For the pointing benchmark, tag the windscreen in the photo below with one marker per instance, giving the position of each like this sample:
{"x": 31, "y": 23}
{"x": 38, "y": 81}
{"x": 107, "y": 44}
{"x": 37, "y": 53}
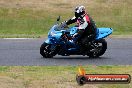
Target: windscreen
{"x": 59, "y": 28}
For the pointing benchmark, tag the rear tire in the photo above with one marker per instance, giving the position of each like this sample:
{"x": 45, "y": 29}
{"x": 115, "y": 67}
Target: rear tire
{"x": 100, "y": 50}
{"x": 46, "y": 52}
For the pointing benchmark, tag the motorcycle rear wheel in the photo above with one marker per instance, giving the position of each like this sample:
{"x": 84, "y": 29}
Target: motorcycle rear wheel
{"x": 99, "y": 50}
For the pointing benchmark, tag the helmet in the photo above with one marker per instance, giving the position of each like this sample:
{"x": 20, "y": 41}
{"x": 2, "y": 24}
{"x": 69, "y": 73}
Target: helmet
{"x": 79, "y": 11}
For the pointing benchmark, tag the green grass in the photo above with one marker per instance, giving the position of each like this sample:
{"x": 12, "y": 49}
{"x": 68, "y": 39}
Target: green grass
{"x": 34, "y": 20}
{"x": 23, "y": 23}
{"x": 56, "y": 76}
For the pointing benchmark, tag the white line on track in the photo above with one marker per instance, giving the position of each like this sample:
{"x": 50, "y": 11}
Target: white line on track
{"x": 18, "y": 38}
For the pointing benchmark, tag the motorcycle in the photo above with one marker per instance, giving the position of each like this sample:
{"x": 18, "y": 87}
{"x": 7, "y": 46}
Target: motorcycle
{"x": 58, "y": 42}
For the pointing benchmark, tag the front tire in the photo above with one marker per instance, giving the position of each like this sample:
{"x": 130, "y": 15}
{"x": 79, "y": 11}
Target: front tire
{"x": 99, "y": 49}
{"x": 46, "y": 52}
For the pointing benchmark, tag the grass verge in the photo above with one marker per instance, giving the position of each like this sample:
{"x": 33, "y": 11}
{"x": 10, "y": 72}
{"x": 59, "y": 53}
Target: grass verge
{"x": 34, "y": 18}
{"x": 56, "y": 76}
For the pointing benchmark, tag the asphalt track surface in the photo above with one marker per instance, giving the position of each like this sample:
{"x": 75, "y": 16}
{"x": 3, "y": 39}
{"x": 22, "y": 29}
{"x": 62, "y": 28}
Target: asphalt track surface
{"x": 25, "y": 52}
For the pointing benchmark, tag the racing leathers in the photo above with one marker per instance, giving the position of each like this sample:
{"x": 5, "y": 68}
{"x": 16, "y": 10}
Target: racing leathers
{"x": 86, "y": 28}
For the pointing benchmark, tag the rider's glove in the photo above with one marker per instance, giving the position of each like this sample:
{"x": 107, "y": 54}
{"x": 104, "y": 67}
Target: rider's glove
{"x": 63, "y": 24}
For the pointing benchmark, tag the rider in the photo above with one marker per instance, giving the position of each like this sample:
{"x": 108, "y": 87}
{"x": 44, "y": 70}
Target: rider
{"x": 85, "y": 25}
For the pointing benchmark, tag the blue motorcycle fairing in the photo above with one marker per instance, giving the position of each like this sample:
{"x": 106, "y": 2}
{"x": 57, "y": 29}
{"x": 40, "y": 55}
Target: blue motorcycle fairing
{"x": 53, "y": 40}
{"x": 73, "y": 30}
{"x": 100, "y": 32}
{"x": 54, "y": 36}
{"x": 48, "y": 41}
{"x": 103, "y": 32}
{"x": 55, "y": 33}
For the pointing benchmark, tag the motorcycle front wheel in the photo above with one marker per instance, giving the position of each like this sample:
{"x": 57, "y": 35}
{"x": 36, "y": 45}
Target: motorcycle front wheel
{"x": 46, "y": 51}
